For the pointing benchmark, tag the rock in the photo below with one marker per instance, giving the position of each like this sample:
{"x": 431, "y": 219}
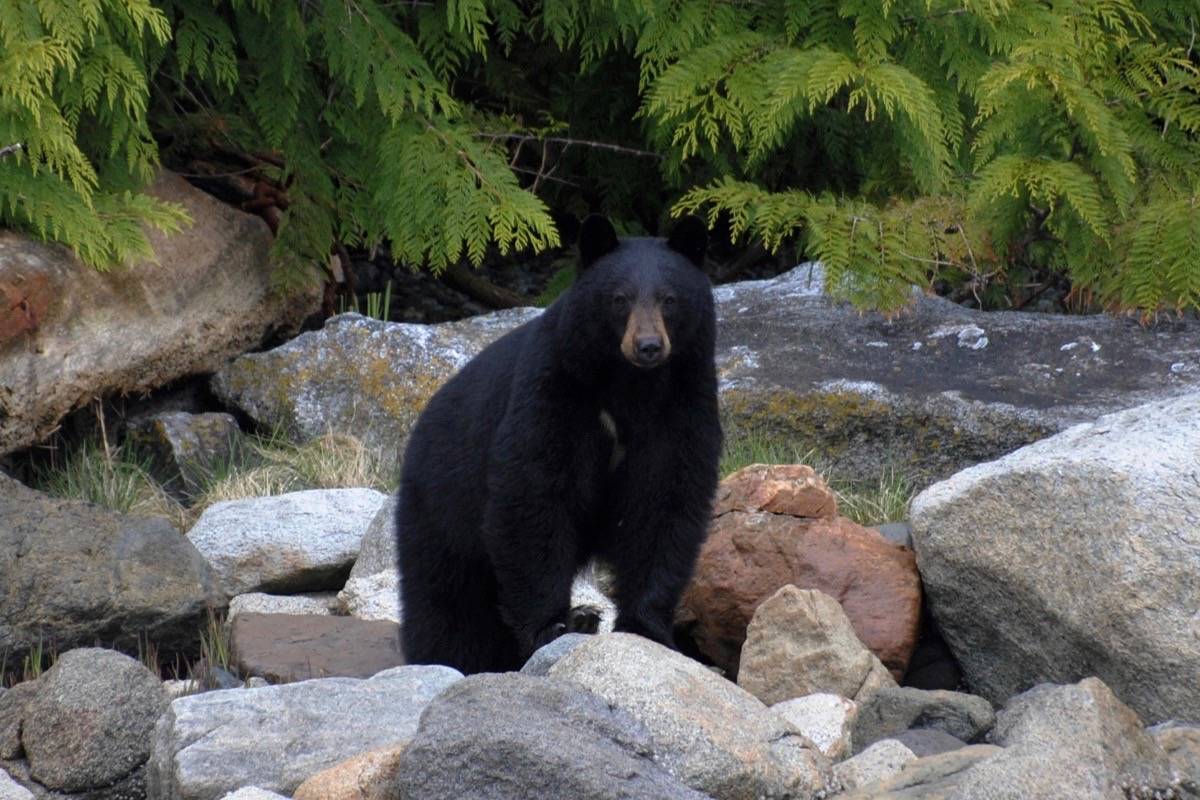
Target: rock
{"x": 367, "y": 776}
{"x": 937, "y": 777}
{"x": 295, "y": 542}
{"x": 1075, "y": 556}
{"x": 877, "y": 763}
{"x": 294, "y": 647}
{"x": 12, "y": 709}
{"x": 357, "y": 375}
{"x": 72, "y": 573}
{"x": 933, "y": 390}
{"x": 515, "y": 736}
{"x": 713, "y": 736}
{"x": 801, "y": 643}
{"x": 760, "y": 542}
{"x": 187, "y": 450}
{"x": 1182, "y": 745}
{"x": 314, "y": 603}
{"x": 825, "y": 719}
{"x": 937, "y": 388}
{"x": 276, "y": 737}
{"x": 543, "y": 658}
{"x": 69, "y": 332}
{"x": 895, "y": 709}
{"x": 928, "y": 741}
{"x": 932, "y": 665}
{"x": 11, "y": 790}
{"x": 180, "y": 688}
{"x": 253, "y": 793}
{"x": 373, "y": 589}
{"x": 89, "y": 723}
{"x": 899, "y": 533}
{"x": 1074, "y": 741}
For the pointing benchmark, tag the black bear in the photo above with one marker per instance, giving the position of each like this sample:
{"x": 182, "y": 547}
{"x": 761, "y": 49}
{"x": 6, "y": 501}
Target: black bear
{"x": 591, "y": 432}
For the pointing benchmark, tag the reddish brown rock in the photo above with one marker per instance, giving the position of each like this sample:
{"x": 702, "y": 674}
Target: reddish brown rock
{"x": 295, "y": 647}
{"x": 368, "y": 776}
{"x": 758, "y": 543}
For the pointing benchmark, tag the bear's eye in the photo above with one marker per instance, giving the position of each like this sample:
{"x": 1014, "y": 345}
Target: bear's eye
{"x": 669, "y": 300}
{"x": 620, "y": 301}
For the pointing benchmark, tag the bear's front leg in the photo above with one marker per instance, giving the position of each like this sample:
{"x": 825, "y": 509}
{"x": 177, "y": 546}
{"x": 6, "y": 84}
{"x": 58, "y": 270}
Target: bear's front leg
{"x": 533, "y": 547}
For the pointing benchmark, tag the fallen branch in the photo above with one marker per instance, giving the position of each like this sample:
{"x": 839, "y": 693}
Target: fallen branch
{"x": 477, "y": 287}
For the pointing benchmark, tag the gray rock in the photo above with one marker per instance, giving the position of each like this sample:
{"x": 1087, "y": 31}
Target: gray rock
{"x": 715, "y": 737}
{"x": 800, "y": 643}
{"x": 207, "y": 745}
{"x": 12, "y": 711}
{"x": 1182, "y": 744}
{"x": 878, "y": 762}
{"x": 295, "y": 542}
{"x": 515, "y": 736}
{"x": 949, "y": 386}
{"x": 313, "y": 603}
{"x": 207, "y": 296}
{"x": 938, "y": 777}
{"x": 357, "y": 375}
{"x": 373, "y": 589}
{"x": 11, "y": 790}
{"x": 1075, "y": 556}
{"x": 825, "y": 719}
{"x": 547, "y": 655}
{"x": 897, "y": 533}
{"x": 895, "y": 709}
{"x": 90, "y": 722}
{"x": 187, "y": 450}
{"x": 73, "y": 573}
{"x": 928, "y": 741}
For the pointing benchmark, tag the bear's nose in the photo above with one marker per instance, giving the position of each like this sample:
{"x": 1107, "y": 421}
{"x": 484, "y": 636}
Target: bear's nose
{"x": 648, "y": 348}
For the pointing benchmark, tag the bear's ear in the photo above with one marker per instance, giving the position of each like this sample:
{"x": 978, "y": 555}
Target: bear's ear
{"x": 689, "y": 239}
{"x": 597, "y": 238}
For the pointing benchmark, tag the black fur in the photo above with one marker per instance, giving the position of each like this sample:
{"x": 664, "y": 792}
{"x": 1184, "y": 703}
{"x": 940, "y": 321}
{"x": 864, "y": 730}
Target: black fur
{"x": 508, "y": 485}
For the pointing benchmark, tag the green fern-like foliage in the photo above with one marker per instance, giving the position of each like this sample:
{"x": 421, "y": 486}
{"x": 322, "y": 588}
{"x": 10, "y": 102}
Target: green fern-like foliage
{"x": 73, "y": 125}
{"x": 1062, "y": 131}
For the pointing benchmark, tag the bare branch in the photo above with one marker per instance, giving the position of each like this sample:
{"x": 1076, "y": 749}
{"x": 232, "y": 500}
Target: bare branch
{"x": 568, "y": 142}
{"x": 9, "y": 149}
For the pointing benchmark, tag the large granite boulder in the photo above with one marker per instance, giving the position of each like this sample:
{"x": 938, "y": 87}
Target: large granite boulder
{"x": 69, "y": 332}
{"x": 296, "y": 542}
{"x": 90, "y": 722}
{"x": 72, "y": 573}
{"x": 1075, "y": 556}
{"x": 357, "y": 375}
{"x": 712, "y": 735}
{"x": 778, "y": 525}
{"x": 932, "y": 390}
{"x": 275, "y": 737}
{"x": 514, "y": 736}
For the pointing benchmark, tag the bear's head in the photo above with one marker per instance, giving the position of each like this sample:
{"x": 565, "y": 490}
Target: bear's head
{"x": 646, "y": 300}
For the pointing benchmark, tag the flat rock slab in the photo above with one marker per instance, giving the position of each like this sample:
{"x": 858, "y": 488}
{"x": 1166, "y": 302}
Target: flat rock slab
{"x": 934, "y": 390}
{"x": 296, "y": 647}
{"x": 207, "y": 745}
{"x": 72, "y": 573}
{"x": 518, "y": 737}
{"x": 69, "y": 332}
{"x": 295, "y": 542}
{"x": 1073, "y": 557}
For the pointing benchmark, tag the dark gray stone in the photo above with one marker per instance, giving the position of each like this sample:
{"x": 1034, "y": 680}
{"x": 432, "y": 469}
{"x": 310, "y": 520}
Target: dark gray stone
{"x": 895, "y": 709}
{"x": 928, "y": 741}
{"x": 90, "y": 722}
{"x": 186, "y": 450}
{"x": 513, "y": 736}
{"x": 896, "y": 532}
{"x": 12, "y": 709}
{"x": 72, "y": 574}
